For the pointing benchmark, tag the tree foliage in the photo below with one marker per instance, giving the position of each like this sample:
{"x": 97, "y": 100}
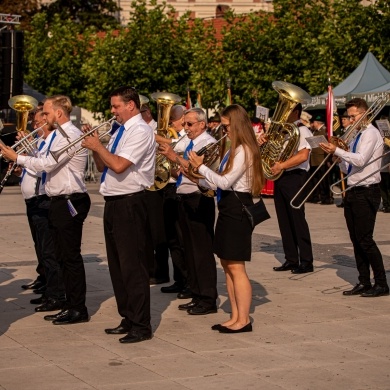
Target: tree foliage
{"x": 303, "y": 43}
{"x": 25, "y": 8}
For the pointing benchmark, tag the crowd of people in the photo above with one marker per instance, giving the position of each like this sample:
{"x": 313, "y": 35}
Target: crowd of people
{"x": 142, "y": 227}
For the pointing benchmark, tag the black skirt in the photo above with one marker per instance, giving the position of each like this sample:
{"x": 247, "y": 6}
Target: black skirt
{"x": 233, "y": 232}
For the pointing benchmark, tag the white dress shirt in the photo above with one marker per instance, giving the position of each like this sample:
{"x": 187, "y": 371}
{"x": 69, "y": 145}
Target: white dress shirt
{"x": 138, "y": 146}
{"x": 368, "y": 148}
{"x": 66, "y": 176}
{"x": 239, "y": 178}
{"x": 304, "y": 133}
{"x": 187, "y": 186}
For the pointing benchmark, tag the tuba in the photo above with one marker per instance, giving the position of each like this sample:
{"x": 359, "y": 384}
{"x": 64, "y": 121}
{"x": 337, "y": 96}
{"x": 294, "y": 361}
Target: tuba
{"x": 165, "y": 102}
{"x": 22, "y": 104}
{"x": 282, "y": 137}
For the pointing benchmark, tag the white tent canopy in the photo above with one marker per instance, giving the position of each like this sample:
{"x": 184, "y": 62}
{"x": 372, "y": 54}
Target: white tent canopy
{"x": 369, "y": 80}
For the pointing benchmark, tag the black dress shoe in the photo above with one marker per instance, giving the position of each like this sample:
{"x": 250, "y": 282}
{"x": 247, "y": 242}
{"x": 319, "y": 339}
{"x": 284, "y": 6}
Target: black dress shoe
{"x": 52, "y": 317}
{"x": 33, "y": 285}
{"x": 302, "y": 270}
{"x": 246, "y": 328}
{"x": 340, "y": 205}
{"x": 201, "y": 310}
{"x": 188, "y": 305}
{"x": 158, "y": 281}
{"x": 286, "y": 267}
{"x": 376, "y": 291}
{"x": 173, "y": 288}
{"x": 185, "y": 294}
{"x": 134, "y": 337}
{"x": 71, "y": 316}
{"x": 358, "y": 289}
{"x": 40, "y": 290}
{"x": 51, "y": 305}
{"x": 121, "y": 329}
{"x": 216, "y": 327}
{"x": 38, "y": 301}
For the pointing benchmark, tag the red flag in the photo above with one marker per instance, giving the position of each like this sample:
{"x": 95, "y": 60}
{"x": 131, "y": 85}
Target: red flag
{"x": 188, "y": 102}
{"x": 329, "y": 111}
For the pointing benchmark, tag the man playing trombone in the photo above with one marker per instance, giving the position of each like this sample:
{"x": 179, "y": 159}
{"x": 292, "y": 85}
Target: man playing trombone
{"x": 362, "y": 199}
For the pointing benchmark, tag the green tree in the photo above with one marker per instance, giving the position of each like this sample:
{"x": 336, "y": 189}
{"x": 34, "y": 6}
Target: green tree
{"x": 25, "y": 8}
{"x": 97, "y": 13}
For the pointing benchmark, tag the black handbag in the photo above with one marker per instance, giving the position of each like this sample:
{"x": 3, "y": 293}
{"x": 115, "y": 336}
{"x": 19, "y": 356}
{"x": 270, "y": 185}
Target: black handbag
{"x": 256, "y": 213}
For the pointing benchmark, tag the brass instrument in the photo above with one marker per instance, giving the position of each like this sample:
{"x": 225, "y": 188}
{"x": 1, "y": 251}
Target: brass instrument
{"x": 22, "y": 104}
{"x": 282, "y": 137}
{"x": 165, "y": 102}
{"x": 143, "y": 100}
{"x": 342, "y": 142}
{"x": 70, "y": 149}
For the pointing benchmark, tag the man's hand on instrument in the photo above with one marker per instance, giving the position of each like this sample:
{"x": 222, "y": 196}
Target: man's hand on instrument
{"x": 328, "y": 147}
{"x": 8, "y": 153}
{"x": 262, "y": 139}
{"x": 277, "y": 168}
{"x": 17, "y": 170}
{"x": 195, "y": 160}
{"x": 167, "y": 151}
{"x": 92, "y": 142}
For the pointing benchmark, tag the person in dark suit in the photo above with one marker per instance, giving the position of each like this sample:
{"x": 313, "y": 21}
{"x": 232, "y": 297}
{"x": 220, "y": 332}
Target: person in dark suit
{"x": 127, "y": 166}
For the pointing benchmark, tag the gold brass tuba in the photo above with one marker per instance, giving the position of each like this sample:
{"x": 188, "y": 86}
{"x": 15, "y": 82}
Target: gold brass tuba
{"x": 22, "y": 104}
{"x": 282, "y": 137}
{"x": 165, "y": 102}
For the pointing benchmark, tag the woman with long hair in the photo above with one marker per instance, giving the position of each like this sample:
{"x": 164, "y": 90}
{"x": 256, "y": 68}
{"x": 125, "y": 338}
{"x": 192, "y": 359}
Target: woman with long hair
{"x": 240, "y": 177}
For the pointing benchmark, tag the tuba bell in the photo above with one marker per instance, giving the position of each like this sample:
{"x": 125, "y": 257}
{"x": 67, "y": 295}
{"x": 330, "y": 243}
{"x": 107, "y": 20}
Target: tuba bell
{"x": 282, "y": 137}
{"x": 22, "y": 104}
{"x": 165, "y": 102}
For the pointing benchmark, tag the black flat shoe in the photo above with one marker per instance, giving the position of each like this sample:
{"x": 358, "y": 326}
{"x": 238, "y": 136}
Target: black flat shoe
{"x": 302, "y": 270}
{"x": 376, "y": 291}
{"x": 71, "y": 316}
{"x": 358, "y": 289}
{"x": 52, "y": 317}
{"x": 246, "y": 328}
{"x": 134, "y": 337}
{"x": 50, "y": 305}
{"x": 189, "y": 305}
{"x": 33, "y": 285}
{"x": 185, "y": 294}
{"x": 121, "y": 329}
{"x": 216, "y": 327}
{"x": 286, "y": 267}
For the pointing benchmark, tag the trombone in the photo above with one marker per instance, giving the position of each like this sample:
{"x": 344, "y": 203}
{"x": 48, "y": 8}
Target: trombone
{"x": 68, "y": 148}
{"x": 343, "y": 142}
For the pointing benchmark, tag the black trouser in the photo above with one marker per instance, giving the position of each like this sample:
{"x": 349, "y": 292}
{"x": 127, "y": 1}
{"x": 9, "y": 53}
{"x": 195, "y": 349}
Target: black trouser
{"x": 67, "y": 234}
{"x": 196, "y": 218}
{"x": 157, "y": 252}
{"x": 38, "y": 217}
{"x": 322, "y": 192}
{"x": 174, "y": 235}
{"x": 292, "y": 222}
{"x": 360, "y": 209}
{"x": 125, "y": 231}
{"x": 385, "y": 189}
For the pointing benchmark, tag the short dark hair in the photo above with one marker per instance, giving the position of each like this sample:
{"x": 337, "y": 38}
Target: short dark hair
{"x": 358, "y": 103}
{"x": 127, "y": 94}
{"x": 298, "y": 108}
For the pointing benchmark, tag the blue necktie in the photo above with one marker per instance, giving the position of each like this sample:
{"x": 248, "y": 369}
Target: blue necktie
{"x": 223, "y": 162}
{"x": 114, "y": 146}
{"x": 354, "y": 151}
{"x": 189, "y": 147}
{"x": 24, "y": 169}
{"x": 47, "y": 153}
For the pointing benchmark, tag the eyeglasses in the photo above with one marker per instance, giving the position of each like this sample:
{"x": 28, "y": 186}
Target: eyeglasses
{"x": 189, "y": 124}
{"x": 354, "y": 116}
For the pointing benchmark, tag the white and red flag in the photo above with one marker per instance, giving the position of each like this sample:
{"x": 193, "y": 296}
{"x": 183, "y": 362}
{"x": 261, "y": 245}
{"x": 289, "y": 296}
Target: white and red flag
{"x": 329, "y": 111}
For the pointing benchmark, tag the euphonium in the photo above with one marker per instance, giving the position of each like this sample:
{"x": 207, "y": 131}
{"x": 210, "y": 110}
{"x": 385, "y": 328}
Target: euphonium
{"x": 282, "y": 137}
{"x": 165, "y": 102}
{"x": 22, "y": 104}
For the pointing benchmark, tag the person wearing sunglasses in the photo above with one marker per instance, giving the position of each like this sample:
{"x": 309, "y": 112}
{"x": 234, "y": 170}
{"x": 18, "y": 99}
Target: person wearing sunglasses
{"x": 196, "y": 218}
{"x": 240, "y": 177}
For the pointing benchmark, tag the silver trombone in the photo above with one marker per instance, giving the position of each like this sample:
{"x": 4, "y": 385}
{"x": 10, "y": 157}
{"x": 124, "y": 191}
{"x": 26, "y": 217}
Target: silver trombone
{"x": 359, "y": 170}
{"x": 27, "y": 144}
{"x": 70, "y": 149}
{"x": 348, "y": 137}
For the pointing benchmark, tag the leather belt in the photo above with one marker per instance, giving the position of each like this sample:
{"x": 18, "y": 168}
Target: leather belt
{"x": 187, "y": 196}
{"x": 74, "y": 196}
{"x": 119, "y": 197}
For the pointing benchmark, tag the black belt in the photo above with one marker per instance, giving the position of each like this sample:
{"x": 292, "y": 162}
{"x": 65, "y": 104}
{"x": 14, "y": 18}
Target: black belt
{"x": 294, "y": 172}
{"x": 118, "y": 197}
{"x": 187, "y": 196}
{"x": 74, "y": 196}
{"x": 37, "y": 199}
{"x": 364, "y": 187}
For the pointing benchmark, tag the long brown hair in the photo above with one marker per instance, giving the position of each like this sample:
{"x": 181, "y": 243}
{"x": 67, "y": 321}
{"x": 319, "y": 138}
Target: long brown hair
{"x": 242, "y": 133}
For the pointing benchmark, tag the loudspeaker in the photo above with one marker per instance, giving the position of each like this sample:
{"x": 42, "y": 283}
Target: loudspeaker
{"x": 11, "y": 65}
